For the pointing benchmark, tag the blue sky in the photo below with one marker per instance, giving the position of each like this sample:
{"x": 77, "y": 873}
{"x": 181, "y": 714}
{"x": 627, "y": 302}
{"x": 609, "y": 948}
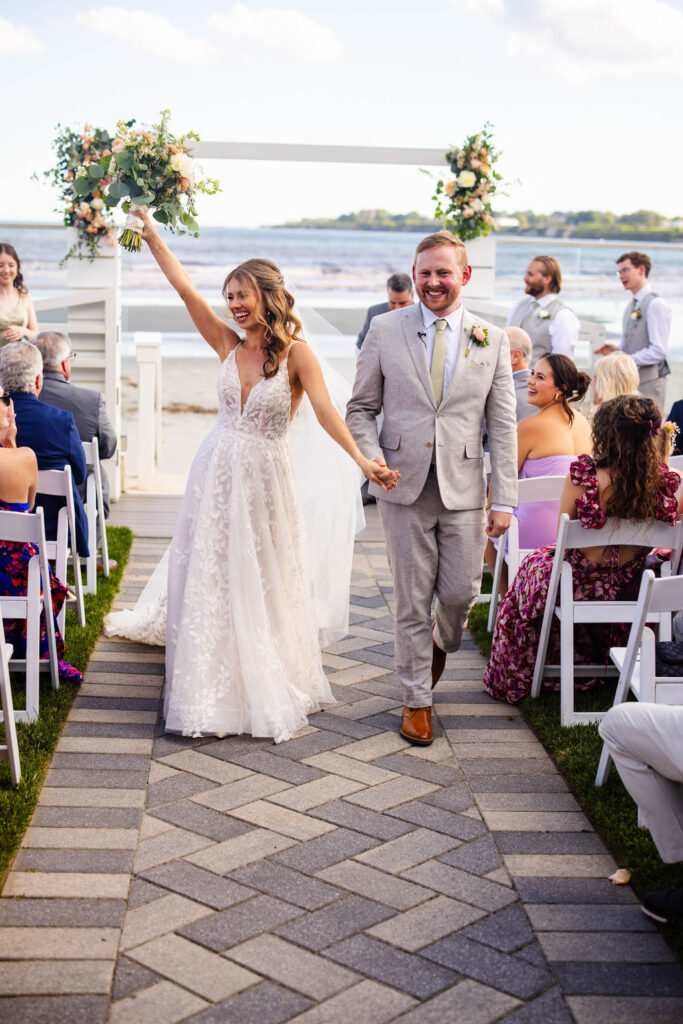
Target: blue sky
{"x": 584, "y": 94}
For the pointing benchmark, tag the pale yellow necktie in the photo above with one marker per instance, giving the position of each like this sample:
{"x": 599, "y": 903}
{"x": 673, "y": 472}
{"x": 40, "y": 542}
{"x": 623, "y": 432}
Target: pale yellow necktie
{"x": 437, "y": 369}
{"x": 532, "y": 309}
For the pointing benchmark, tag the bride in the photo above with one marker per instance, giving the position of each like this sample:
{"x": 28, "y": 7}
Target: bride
{"x": 242, "y": 651}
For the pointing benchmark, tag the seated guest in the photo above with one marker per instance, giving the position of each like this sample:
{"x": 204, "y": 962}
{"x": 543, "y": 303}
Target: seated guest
{"x": 50, "y": 432}
{"x": 17, "y": 315}
{"x": 547, "y": 444}
{"x": 399, "y": 293}
{"x": 644, "y": 741}
{"x": 18, "y": 482}
{"x": 520, "y": 355}
{"x": 626, "y": 477}
{"x": 86, "y": 405}
{"x": 676, "y": 417}
{"x": 616, "y": 374}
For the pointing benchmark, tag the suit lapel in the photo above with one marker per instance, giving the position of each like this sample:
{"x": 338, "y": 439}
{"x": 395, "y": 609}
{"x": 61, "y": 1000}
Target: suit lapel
{"x": 412, "y": 324}
{"x": 459, "y": 372}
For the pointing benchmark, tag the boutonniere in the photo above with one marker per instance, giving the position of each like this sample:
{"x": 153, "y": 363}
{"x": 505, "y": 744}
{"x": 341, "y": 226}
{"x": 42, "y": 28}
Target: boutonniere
{"x": 636, "y": 314}
{"x": 543, "y": 314}
{"x": 478, "y": 336}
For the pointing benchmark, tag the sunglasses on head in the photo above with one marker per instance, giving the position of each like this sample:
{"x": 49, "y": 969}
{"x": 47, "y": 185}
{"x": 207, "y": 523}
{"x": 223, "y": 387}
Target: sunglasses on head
{"x": 7, "y": 399}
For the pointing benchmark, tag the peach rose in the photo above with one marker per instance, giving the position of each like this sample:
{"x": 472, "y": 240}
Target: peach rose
{"x": 468, "y": 212}
{"x": 116, "y": 145}
{"x": 478, "y": 334}
{"x": 450, "y": 188}
{"x": 173, "y": 149}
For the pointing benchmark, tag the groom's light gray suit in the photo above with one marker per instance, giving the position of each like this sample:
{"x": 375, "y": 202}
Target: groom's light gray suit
{"x": 434, "y": 519}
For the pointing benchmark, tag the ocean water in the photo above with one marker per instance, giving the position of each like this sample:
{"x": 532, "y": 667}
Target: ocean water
{"x": 349, "y": 268}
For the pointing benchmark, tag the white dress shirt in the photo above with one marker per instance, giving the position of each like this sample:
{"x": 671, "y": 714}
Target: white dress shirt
{"x": 658, "y": 320}
{"x": 453, "y": 332}
{"x": 563, "y": 329}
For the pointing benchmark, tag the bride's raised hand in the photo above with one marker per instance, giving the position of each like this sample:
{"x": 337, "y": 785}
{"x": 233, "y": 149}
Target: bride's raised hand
{"x": 379, "y": 473}
{"x": 142, "y": 213}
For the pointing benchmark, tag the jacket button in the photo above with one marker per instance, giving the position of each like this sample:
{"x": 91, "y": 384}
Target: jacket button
{"x": 429, "y": 444}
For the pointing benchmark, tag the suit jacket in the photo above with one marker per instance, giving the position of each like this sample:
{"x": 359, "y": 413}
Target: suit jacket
{"x": 392, "y": 376}
{"x": 381, "y": 307}
{"x": 520, "y": 379}
{"x": 52, "y": 435}
{"x": 676, "y": 416}
{"x": 90, "y": 415}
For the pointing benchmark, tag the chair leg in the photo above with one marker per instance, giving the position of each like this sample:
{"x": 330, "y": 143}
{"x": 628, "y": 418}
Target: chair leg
{"x": 495, "y": 587}
{"x": 12, "y": 744}
{"x": 566, "y": 649}
{"x": 33, "y": 641}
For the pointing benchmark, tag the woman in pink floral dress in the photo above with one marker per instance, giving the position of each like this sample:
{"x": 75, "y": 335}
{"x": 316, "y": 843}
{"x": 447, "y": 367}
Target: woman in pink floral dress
{"x": 628, "y": 478}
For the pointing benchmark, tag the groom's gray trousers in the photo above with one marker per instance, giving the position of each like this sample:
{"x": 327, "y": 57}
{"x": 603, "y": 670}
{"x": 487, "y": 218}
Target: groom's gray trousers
{"x": 432, "y": 551}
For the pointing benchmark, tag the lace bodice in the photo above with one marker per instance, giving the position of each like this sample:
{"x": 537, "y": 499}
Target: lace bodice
{"x": 592, "y": 517}
{"x": 267, "y": 410}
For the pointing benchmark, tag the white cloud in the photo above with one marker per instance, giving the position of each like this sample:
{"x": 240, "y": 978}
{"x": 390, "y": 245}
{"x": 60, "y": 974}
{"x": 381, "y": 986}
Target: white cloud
{"x": 288, "y": 31}
{"x": 149, "y": 32}
{"x": 17, "y": 41}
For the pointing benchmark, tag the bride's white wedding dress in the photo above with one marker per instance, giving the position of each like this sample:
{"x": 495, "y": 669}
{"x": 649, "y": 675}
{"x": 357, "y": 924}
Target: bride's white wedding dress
{"x": 245, "y": 601}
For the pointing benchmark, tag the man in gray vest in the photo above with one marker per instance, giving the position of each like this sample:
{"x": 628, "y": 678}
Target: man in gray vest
{"x": 645, "y": 327}
{"x": 551, "y": 325}
{"x": 399, "y": 294}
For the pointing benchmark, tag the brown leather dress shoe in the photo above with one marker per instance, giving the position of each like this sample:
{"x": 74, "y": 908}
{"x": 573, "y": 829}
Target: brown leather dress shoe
{"x": 438, "y": 661}
{"x": 416, "y": 726}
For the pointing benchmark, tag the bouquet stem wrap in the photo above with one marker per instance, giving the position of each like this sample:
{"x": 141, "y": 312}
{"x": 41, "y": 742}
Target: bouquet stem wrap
{"x": 131, "y": 237}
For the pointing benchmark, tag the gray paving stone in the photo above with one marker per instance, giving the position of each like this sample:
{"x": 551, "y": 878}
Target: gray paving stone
{"x": 344, "y": 725}
{"x": 89, "y": 861}
{"x": 509, "y": 974}
{"x": 307, "y": 746}
{"x": 404, "y": 971}
{"x": 418, "y": 768}
{"x": 132, "y": 667}
{"x": 123, "y": 647}
{"x": 619, "y": 979}
{"x": 506, "y": 930}
{"x": 386, "y": 722}
{"x": 176, "y": 788}
{"x": 573, "y": 890}
{"x": 286, "y": 884}
{"x": 71, "y": 779}
{"x": 588, "y": 917}
{"x": 605, "y": 947}
{"x": 102, "y": 762}
{"x": 439, "y": 820}
{"x": 549, "y": 842}
{"x": 478, "y": 857}
{"x": 196, "y": 818}
{"x": 265, "y": 1003}
{"x": 118, "y": 703}
{"x": 456, "y": 723}
{"x": 265, "y": 763}
{"x": 87, "y": 817}
{"x": 452, "y": 798}
{"x": 325, "y": 850}
{"x": 362, "y": 820}
{"x": 548, "y": 1008}
{"x": 54, "y": 1009}
{"x": 372, "y": 657}
{"x": 506, "y": 765}
{"x": 517, "y": 784}
{"x": 130, "y": 977}
{"x": 126, "y": 730}
{"x": 142, "y": 892}
{"x": 461, "y": 885}
{"x": 331, "y": 924}
{"x": 198, "y": 884}
{"x": 625, "y": 1009}
{"x": 58, "y": 913}
{"x": 532, "y": 954}
{"x": 233, "y": 746}
{"x": 237, "y": 924}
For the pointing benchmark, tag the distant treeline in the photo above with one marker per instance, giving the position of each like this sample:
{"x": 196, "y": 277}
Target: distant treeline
{"x": 643, "y": 224}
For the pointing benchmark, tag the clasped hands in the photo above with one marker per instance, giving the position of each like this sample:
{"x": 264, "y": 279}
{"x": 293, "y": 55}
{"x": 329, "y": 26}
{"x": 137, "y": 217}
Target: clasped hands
{"x": 379, "y": 473}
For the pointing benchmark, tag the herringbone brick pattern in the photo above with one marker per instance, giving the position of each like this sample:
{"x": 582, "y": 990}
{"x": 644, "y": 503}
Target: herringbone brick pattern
{"x": 342, "y": 876}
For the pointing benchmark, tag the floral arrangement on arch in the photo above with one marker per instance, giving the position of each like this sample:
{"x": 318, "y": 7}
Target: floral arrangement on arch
{"x": 464, "y": 202}
{"x": 152, "y": 168}
{"x": 80, "y": 180}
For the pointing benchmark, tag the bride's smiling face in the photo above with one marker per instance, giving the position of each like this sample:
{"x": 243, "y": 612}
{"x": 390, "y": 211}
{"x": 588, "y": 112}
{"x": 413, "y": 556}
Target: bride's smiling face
{"x": 244, "y": 305}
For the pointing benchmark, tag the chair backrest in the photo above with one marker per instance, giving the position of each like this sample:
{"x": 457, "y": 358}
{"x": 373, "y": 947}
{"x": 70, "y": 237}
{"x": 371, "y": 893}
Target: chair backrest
{"x": 22, "y": 528}
{"x": 676, "y": 462}
{"x": 539, "y": 488}
{"x": 55, "y": 482}
{"x": 666, "y": 594}
{"x": 652, "y": 534}
{"x": 91, "y": 450}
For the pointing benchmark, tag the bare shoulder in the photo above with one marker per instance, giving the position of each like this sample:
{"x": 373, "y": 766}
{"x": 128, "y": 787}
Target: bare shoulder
{"x": 300, "y": 356}
{"x": 230, "y": 341}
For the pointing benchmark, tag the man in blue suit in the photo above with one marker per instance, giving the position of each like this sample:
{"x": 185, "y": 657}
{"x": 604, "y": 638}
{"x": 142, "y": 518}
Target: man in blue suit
{"x": 50, "y": 432}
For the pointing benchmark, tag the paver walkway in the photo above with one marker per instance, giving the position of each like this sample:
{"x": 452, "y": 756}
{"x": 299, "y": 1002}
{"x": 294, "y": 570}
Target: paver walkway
{"x": 341, "y": 877}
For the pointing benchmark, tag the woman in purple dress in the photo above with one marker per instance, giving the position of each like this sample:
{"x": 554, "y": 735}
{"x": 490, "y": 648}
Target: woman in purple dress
{"x": 627, "y": 477}
{"x": 547, "y": 444}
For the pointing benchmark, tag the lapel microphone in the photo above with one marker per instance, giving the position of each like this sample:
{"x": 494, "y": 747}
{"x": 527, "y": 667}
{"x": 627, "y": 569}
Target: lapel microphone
{"x": 422, "y": 335}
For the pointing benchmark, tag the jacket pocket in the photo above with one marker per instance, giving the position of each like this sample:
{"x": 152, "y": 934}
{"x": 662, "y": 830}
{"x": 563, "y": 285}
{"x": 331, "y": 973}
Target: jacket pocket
{"x": 390, "y": 440}
{"x": 474, "y": 450}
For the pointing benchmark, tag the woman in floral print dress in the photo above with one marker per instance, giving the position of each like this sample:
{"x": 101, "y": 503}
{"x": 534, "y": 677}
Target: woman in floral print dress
{"x": 628, "y": 478}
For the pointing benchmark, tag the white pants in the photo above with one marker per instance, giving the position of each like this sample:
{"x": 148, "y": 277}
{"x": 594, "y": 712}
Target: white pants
{"x": 646, "y": 744}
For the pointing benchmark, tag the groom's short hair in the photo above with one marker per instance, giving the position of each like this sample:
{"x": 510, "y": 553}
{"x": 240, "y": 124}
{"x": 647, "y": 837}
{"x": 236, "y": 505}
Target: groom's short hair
{"x": 443, "y": 238}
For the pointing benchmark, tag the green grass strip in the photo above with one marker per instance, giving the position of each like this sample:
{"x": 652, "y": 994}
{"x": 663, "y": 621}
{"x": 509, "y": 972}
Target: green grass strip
{"x": 38, "y": 740}
{"x": 576, "y": 752}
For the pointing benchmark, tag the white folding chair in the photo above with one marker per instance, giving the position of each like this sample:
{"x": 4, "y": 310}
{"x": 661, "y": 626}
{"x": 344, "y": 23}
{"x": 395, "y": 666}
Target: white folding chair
{"x": 58, "y": 482}
{"x": 572, "y": 534}
{"x": 676, "y": 462}
{"x": 10, "y": 750}
{"x": 94, "y": 507}
{"x": 532, "y": 489}
{"x": 21, "y": 528}
{"x": 636, "y": 662}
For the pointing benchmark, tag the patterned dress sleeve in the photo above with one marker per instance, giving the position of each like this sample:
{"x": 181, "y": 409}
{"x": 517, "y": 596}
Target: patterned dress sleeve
{"x": 583, "y": 474}
{"x": 667, "y": 505}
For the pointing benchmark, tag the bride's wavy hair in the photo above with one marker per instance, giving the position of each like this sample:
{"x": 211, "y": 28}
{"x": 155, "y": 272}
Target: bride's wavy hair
{"x": 280, "y": 324}
{"x": 630, "y": 443}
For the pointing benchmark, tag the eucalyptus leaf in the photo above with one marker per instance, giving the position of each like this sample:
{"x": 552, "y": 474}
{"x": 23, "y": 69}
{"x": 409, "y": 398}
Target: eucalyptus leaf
{"x": 161, "y": 216}
{"x": 96, "y": 171}
{"x": 119, "y": 189}
{"x": 124, "y": 160}
{"x": 82, "y": 186}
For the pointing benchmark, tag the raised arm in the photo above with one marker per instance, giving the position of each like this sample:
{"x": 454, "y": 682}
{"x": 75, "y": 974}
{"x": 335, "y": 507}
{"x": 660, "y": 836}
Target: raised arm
{"x": 306, "y": 367}
{"x": 220, "y": 337}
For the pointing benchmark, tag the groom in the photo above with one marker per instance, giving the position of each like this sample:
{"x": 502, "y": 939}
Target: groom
{"x": 435, "y": 370}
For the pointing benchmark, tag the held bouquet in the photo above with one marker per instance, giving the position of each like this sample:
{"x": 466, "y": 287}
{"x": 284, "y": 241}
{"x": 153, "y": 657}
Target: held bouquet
{"x": 464, "y": 202}
{"x": 80, "y": 179}
{"x": 152, "y": 168}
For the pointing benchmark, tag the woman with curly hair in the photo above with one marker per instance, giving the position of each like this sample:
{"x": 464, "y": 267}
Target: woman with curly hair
{"x": 242, "y": 653}
{"x": 626, "y": 477}
{"x": 17, "y": 315}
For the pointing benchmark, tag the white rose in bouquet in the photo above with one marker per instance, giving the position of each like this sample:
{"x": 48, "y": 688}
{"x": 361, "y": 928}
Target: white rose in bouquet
{"x": 182, "y": 165}
{"x": 466, "y": 179}
{"x": 97, "y": 203}
{"x": 477, "y": 205}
